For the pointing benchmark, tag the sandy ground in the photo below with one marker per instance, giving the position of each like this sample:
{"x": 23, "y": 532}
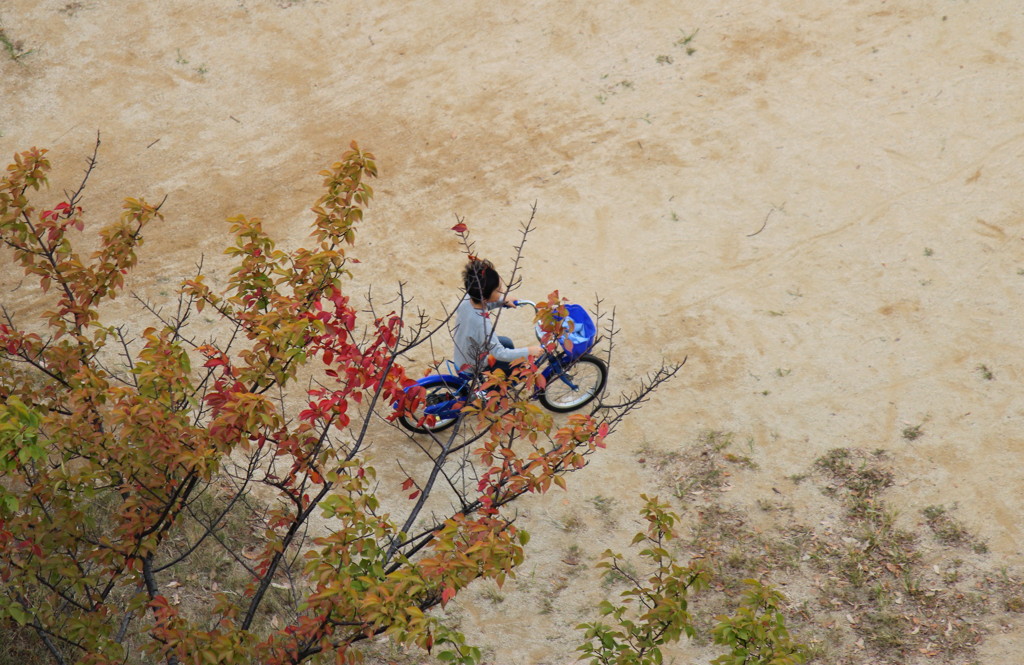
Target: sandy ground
{"x": 818, "y": 203}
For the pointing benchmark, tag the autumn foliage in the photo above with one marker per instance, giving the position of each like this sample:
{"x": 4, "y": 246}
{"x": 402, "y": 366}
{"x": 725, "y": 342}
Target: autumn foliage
{"x": 132, "y": 457}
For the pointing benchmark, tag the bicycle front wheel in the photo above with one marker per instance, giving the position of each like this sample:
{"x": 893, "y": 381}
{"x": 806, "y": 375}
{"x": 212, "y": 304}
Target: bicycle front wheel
{"x": 575, "y": 386}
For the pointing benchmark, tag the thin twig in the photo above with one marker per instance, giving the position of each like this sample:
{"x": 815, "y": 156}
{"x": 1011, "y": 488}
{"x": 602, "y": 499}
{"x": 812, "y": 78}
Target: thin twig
{"x": 765, "y": 223}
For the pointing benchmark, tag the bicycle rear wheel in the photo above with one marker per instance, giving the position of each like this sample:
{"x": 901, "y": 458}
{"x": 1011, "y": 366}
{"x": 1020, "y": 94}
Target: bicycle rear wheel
{"x": 576, "y": 386}
{"x": 423, "y": 423}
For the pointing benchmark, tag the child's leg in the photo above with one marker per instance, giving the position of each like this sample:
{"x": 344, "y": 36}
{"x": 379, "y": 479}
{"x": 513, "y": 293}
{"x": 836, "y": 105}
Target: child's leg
{"x": 503, "y": 366}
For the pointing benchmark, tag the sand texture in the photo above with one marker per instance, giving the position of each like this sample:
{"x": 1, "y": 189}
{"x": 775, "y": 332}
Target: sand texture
{"x": 819, "y": 204}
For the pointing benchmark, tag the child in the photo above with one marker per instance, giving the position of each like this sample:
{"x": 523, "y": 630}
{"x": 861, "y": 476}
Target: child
{"x": 474, "y": 332}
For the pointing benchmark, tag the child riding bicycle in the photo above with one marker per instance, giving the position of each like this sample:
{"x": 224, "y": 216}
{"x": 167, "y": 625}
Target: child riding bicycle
{"x": 474, "y": 335}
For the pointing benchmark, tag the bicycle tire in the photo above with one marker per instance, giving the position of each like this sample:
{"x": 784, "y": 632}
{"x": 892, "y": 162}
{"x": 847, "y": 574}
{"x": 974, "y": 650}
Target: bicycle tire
{"x": 589, "y": 373}
{"x": 439, "y": 392}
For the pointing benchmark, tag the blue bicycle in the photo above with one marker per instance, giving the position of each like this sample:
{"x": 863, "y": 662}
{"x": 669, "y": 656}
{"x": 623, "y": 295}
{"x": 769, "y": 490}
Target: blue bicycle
{"x": 573, "y": 378}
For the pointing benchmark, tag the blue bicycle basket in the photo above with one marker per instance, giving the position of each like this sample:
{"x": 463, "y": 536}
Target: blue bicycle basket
{"x": 582, "y": 334}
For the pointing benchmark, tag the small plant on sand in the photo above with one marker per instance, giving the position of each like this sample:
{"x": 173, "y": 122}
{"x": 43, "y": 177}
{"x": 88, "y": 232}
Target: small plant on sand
{"x": 572, "y": 523}
{"x": 14, "y": 48}
{"x": 604, "y": 505}
{"x": 654, "y": 608}
{"x": 684, "y": 41}
{"x": 573, "y": 555}
{"x": 492, "y": 593}
{"x": 72, "y": 8}
{"x": 913, "y": 432}
{"x": 621, "y": 573}
{"x": 756, "y": 634}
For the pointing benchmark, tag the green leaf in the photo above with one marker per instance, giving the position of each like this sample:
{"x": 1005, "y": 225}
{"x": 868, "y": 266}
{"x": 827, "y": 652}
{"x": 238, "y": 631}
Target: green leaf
{"x": 18, "y": 613}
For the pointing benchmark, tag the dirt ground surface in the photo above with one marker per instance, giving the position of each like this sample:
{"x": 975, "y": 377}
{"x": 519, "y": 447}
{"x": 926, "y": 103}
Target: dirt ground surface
{"x": 817, "y": 203}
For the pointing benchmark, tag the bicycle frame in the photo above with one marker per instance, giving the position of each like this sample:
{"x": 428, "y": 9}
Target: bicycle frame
{"x": 464, "y": 380}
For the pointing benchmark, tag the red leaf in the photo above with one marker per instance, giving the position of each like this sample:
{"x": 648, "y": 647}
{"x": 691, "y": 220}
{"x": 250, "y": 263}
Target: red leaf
{"x": 447, "y": 594}
{"x": 407, "y": 484}
{"x": 459, "y": 228}
{"x": 414, "y": 494}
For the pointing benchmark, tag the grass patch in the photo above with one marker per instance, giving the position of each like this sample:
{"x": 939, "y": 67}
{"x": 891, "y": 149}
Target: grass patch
{"x": 865, "y": 584}
{"x": 706, "y": 463}
{"x": 20, "y": 645}
{"x": 855, "y": 475}
{"x": 220, "y": 564}
{"x": 950, "y": 531}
